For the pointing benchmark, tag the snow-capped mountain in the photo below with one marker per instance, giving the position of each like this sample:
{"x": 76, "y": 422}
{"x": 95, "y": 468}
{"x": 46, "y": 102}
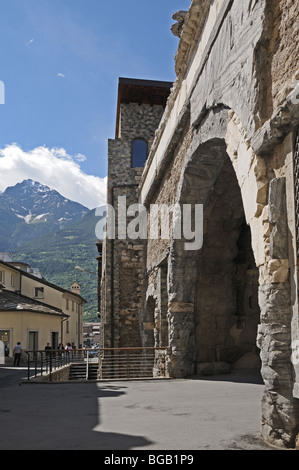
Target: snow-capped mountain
{"x": 30, "y": 209}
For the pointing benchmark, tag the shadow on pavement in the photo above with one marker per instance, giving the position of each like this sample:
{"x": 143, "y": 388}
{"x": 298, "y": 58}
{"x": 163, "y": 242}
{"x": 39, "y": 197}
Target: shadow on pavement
{"x": 250, "y": 376}
{"x": 57, "y": 416}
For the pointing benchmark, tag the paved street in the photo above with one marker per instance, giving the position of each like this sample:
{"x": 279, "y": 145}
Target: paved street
{"x": 216, "y": 413}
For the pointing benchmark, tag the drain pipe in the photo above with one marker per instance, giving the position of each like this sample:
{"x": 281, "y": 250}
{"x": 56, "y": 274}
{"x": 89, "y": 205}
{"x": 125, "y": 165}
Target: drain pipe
{"x": 61, "y": 333}
{"x": 87, "y": 364}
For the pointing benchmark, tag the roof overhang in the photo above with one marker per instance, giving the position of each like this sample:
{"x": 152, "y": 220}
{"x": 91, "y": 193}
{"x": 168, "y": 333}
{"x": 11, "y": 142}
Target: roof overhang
{"x": 133, "y": 90}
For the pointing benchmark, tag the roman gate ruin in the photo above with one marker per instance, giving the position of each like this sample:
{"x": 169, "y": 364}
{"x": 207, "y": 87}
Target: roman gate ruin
{"x": 223, "y": 136}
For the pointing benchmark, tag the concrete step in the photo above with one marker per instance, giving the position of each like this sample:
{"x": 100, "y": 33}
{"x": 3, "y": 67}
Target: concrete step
{"x": 92, "y": 371}
{"x": 78, "y": 372}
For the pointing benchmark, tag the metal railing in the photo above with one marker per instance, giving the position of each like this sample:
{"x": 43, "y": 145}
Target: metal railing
{"x": 41, "y": 363}
{"x": 111, "y": 363}
{"x": 131, "y": 363}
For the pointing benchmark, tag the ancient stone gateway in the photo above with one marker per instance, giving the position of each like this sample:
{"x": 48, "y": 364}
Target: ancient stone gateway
{"x": 213, "y": 292}
{"x": 227, "y": 140}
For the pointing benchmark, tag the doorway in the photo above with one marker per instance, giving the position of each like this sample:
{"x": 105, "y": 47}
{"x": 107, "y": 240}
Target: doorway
{"x": 33, "y": 340}
{"x": 5, "y": 338}
{"x": 54, "y": 339}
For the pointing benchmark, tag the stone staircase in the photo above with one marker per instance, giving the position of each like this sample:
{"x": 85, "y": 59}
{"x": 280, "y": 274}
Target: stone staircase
{"x": 78, "y": 371}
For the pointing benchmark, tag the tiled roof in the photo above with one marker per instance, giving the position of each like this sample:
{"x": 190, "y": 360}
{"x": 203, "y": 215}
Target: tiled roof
{"x": 11, "y": 301}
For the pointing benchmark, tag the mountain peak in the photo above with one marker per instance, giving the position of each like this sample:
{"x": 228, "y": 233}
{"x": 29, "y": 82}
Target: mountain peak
{"x": 34, "y": 209}
{"x": 28, "y": 184}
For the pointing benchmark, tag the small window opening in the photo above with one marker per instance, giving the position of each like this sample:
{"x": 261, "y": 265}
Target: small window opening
{"x": 39, "y": 292}
{"x": 139, "y": 153}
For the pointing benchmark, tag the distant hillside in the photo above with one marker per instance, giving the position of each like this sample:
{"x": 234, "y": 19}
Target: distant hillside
{"x": 30, "y": 209}
{"x": 57, "y": 254}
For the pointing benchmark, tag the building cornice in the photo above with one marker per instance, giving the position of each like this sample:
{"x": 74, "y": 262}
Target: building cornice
{"x": 191, "y": 31}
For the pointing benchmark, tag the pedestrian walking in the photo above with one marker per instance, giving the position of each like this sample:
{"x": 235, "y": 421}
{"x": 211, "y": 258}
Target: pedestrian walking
{"x": 48, "y": 350}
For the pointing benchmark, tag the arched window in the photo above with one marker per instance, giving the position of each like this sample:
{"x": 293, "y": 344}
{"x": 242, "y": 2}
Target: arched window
{"x": 139, "y": 153}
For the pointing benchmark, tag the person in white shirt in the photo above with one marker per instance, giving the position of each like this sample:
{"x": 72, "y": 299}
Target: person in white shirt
{"x": 17, "y": 352}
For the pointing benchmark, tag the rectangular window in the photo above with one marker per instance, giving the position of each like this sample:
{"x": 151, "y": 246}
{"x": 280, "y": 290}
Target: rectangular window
{"x": 39, "y": 292}
{"x": 67, "y": 304}
{"x": 2, "y": 277}
{"x": 12, "y": 281}
{"x": 33, "y": 340}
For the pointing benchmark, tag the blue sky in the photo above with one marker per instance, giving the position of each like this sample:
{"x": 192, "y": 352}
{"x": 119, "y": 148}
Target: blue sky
{"x": 60, "y": 64}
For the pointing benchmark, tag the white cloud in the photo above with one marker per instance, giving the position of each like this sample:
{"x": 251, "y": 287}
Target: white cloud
{"x": 29, "y": 42}
{"x": 54, "y": 168}
{"x": 60, "y": 75}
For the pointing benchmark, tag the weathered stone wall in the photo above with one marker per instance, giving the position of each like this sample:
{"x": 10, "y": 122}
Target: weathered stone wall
{"x": 268, "y": 194}
{"x": 284, "y": 65}
{"x": 139, "y": 121}
{"x": 166, "y": 193}
{"x": 122, "y": 273}
{"x": 226, "y": 141}
{"x": 123, "y": 259}
{"x": 235, "y": 84}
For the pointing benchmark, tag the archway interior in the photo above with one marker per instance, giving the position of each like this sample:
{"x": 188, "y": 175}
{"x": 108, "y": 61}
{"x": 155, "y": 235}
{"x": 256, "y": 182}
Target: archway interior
{"x": 226, "y": 293}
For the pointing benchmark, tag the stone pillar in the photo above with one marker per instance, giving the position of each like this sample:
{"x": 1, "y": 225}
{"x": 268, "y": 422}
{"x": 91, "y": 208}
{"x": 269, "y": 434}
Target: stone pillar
{"x": 181, "y": 339}
{"x": 280, "y": 410}
{"x": 268, "y": 194}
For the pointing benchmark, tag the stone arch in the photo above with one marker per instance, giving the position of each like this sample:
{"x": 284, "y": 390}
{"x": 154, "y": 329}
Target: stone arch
{"x": 219, "y": 145}
{"x": 226, "y": 311}
{"x": 211, "y": 176}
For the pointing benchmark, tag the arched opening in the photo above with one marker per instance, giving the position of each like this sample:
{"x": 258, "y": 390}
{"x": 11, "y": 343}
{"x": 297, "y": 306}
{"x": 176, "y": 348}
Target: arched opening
{"x": 213, "y": 307}
{"x": 226, "y": 293}
{"x": 139, "y": 153}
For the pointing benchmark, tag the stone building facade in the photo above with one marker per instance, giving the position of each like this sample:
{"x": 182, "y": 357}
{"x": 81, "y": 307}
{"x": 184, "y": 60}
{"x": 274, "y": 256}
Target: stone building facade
{"x": 141, "y": 104}
{"x": 228, "y": 141}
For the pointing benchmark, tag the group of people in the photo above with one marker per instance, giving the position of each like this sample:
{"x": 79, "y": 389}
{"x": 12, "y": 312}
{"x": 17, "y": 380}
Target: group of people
{"x": 18, "y": 351}
{"x": 60, "y": 347}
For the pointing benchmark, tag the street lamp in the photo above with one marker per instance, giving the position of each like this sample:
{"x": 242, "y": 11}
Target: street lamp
{"x": 84, "y": 270}
{"x": 95, "y": 274}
